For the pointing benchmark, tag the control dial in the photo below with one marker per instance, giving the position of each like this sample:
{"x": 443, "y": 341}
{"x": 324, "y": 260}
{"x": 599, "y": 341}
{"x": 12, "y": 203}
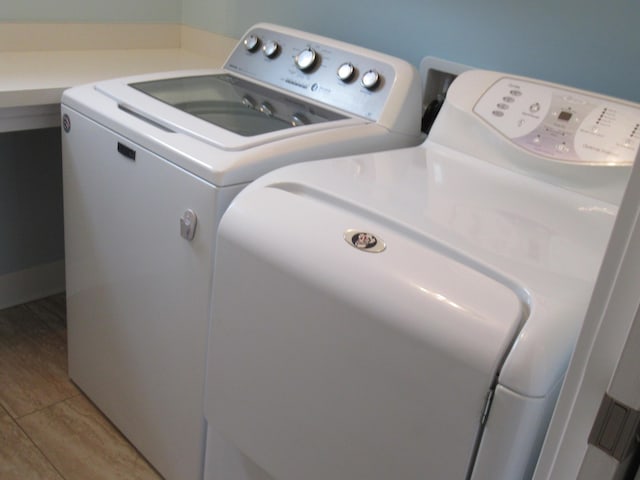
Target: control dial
{"x": 371, "y": 80}
{"x": 271, "y": 49}
{"x": 251, "y": 43}
{"x": 346, "y": 72}
{"x": 248, "y": 102}
{"x": 266, "y": 108}
{"x": 298, "y": 119}
{"x": 306, "y": 59}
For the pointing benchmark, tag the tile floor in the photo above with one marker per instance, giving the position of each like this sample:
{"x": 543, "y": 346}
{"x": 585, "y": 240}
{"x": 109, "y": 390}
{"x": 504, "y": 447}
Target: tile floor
{"x": 48, "y": 429}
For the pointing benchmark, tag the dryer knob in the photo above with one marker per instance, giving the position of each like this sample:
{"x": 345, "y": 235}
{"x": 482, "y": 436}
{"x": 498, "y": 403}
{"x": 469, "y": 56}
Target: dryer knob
{"x": 271, "y": 49}
{"x": 306, "y": 59}
{"x": 371, "y": 80}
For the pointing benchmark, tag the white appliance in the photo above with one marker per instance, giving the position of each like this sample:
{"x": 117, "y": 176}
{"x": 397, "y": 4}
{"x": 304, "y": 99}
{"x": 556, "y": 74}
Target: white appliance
{"x": 150, "y": 164}
{"x": 410, "y": 314}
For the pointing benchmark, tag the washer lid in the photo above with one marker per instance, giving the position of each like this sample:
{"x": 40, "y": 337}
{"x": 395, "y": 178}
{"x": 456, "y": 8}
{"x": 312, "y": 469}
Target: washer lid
{"x": 235, "y": 104}
{"x": 220, "y": 108}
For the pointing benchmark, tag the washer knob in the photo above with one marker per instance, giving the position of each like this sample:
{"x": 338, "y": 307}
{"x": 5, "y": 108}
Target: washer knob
{"x": 306, "y": 59}
{"x": 248, "y": 102}
{"x": 298, "y": 119}
{"x": 271, "y": 49}
{"x": 346, "y": 72}
{"x": 266, "y": 108}
{"x": 370, "y": 79}
{"x": 251, "y": 43}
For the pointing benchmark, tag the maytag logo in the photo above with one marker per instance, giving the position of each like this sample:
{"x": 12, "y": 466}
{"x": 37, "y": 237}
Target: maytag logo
{"x": 364, "y": 241}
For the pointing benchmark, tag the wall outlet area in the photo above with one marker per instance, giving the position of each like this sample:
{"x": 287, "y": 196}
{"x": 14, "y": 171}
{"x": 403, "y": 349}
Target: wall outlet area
{"x": 436, "y": 75}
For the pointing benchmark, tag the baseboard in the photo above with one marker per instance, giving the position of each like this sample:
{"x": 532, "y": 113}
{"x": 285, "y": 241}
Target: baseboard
{"x": 31, "y": 284}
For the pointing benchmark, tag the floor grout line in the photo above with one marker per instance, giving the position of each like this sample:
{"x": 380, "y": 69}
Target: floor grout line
{"x": 57, "y": 402}
{"x": 50, "y": 317}
{"x": 37, "y": 447}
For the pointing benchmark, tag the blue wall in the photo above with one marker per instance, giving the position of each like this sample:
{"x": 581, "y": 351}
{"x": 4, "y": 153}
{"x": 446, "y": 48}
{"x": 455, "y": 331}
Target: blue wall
{"x": 589, "y": 44}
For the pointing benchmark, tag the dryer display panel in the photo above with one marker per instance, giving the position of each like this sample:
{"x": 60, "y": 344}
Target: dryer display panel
{"x": 561, "y": 124}
{"x": 235, "y": 104}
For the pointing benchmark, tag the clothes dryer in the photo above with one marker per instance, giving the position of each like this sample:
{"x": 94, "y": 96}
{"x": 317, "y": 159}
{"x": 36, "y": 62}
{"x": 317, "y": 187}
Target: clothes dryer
{"x": 150, "y": 163}
{"x": 410, "y": 314}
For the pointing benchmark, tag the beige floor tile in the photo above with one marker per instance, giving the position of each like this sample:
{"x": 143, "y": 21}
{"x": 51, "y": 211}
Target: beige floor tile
{"x": 82, "y": 444}
{"x": 19, "y": 458}
{"x": 33, "y": 363}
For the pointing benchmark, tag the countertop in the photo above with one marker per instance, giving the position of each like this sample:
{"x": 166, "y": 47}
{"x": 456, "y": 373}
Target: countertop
{"x": 38, "y": 62}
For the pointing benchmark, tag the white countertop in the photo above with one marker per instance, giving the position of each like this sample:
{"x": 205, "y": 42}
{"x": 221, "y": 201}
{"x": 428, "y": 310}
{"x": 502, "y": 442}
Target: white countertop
{"x": 39, "y": 78}
{"x": 38, "y": 62}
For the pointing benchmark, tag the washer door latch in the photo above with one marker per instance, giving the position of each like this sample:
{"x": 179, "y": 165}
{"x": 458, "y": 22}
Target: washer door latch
{"x": 188, "y": 223}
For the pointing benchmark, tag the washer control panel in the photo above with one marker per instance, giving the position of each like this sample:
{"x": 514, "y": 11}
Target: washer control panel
{"x": 343, "y": 76}
{"x": 562, "y": 124}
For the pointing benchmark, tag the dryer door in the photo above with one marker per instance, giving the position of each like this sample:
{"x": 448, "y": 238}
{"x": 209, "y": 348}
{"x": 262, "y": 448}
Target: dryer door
{"x": 326, "y": 361}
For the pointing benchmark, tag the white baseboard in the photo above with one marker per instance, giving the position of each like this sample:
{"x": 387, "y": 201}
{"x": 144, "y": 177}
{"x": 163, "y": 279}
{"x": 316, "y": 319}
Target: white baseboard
{"x": 31, "y": 284}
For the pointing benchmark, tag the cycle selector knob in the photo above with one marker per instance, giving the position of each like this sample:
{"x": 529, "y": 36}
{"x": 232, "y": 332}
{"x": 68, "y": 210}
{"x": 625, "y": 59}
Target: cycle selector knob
{"x": 346, "y": 72}
{"x": 298, "y": 120}
{"x": 248, "y": 102}
{"x": 371, "y": 80}
{"x": 251, "y": 43}
{"x": 266, "y": 109}
{"x": 306, "y": 59}
{"x": 271, "y": 49}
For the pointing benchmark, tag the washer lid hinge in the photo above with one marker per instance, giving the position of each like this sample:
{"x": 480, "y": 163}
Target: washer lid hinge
{"x": 487, "y": 407}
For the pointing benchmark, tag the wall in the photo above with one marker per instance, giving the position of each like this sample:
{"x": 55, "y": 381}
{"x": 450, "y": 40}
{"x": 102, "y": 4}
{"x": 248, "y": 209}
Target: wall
{"x": 138, "y": 11}
{"x": 30, "y": 199}
{"x": 589, "y": 44}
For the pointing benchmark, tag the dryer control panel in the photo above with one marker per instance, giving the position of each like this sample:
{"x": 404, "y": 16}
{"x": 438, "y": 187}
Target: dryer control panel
{"x": 562, "y": 124}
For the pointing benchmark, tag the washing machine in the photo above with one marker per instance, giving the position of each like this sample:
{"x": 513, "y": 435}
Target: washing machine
{"x": 150, "y": 164}
{"x": 410, "y": 314}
